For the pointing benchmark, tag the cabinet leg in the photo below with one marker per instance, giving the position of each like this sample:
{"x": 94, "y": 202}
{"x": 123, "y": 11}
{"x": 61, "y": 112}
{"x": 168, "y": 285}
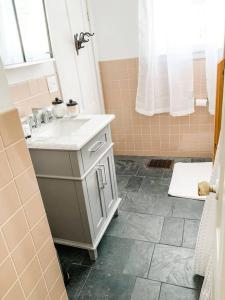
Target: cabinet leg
{"x": 93, "y": 254}
{"x": 116, "y": 213}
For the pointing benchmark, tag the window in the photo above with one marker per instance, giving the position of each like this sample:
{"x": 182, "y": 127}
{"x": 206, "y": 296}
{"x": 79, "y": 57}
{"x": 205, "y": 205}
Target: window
{"x": 23, "y": 31}
{"x": 10, "y": 47}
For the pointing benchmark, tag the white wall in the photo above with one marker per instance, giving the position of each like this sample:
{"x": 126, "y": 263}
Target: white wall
{"x": 5, "y": 101}
{"x": 116, "y": 27}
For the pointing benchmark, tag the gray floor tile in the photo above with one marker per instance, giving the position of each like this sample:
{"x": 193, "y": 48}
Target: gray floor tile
{"x": 173, "y": 265}
{"x": 162, "y": 205}
{"x": 182, "y": 159}
{"x": 201, "y": 159}
{"x": 123, "y": 256}
{"x": 153, "y": 186}
{"x": 122, "y": 181}
{"x": 70, "y": 255}
{"x": 137, "y": 226}
{"x": 134, "y": 184}
{"x": 148, "y": 204}
{"x": 187, "y": 208}
{"x": 150, "y": 172}
{"x": 171, "y": 292}
{"x": 130, "y": 157}
{"x": 143, "y": 227}
{"x": 190, "y": 233}
{"x": 165, "y": 181}
{"x": 127, "y": 166}
{"x": 146, "y": 289}
{"x": 122, "y": 195}
{"x": 172, "y": 232}
{"x": 78, "y": 275}
{"x": 167, "y": 173}
{"x": 132, "y": 169}
{"x": 117, "y": 224}
{"x": 119, "y": 167}
{"x": 138, "y": 202}
{"x": 102, "y": 285}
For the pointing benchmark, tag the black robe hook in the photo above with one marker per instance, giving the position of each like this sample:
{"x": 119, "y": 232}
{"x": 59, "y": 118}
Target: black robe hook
{"x": 80, "y": 39}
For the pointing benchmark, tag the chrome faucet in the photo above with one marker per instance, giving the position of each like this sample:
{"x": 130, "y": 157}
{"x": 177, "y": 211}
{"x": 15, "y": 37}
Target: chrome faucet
{"x": 41, "y": 115}
{"x": 37, "y": 116}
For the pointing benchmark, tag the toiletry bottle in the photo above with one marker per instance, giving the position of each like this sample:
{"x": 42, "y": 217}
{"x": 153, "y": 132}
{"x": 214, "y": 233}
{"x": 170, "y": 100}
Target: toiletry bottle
{"x": 26, "y": 130}
{"x": 58, "y": 108}
{"x": 72, "y": 108}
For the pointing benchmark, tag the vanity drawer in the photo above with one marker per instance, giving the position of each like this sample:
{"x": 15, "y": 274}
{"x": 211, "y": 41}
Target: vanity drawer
{"x": 93, "y": 149}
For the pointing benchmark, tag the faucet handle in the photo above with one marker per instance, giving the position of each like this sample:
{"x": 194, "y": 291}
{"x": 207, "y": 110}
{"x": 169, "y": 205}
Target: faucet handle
{"x": 45, "y": 116}
{"x": 50, "y": 113}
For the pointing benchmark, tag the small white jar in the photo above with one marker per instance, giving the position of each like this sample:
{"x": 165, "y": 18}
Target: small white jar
{"x": 58, "y": 108}
{"x": 72, "y": 108}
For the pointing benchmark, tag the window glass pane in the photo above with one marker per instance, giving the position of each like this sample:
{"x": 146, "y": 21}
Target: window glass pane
{"x": 33, "y": 29}
{"x": 10, "y": 48}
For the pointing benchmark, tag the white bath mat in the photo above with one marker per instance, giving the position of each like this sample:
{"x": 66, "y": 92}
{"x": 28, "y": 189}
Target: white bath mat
{"x": 185, "y": 179}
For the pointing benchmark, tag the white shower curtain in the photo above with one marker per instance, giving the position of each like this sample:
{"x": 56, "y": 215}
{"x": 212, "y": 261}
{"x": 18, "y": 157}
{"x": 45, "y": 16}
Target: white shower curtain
{"x": 167, "y": 41}
{"x": 165, "y": 58}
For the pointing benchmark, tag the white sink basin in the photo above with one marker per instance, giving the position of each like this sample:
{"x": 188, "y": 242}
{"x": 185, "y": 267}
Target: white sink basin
{"x": 59, "y": 128}
{"x": 68, "y": 133}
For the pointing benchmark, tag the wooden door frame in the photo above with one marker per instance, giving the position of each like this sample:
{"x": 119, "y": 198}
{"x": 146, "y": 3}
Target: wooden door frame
{"x": 219, "y": 103}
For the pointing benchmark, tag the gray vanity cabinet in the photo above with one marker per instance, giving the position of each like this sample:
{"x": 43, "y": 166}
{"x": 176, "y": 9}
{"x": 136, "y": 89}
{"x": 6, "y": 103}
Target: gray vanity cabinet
{"x": 79, "y": 191}
{"x": 102, "y": 191}
{"x": 96, "y": 199}
{"x": 106, "y": 167}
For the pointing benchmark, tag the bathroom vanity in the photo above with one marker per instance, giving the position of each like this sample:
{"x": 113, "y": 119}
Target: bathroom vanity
{"x": 74, "y": 164}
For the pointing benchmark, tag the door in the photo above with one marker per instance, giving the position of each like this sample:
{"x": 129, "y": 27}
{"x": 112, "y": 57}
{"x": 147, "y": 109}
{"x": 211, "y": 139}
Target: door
{"x": 219, "y": 268}
{"x": 78, "y": 74}
{"x": 95, "y": 186}
{"x": 87, "y": 64}
{"x": 106, "y": 166}
{"x": 219, "y": 103}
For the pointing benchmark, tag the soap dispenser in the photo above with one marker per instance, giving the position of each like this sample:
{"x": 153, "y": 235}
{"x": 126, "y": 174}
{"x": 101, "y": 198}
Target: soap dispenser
{"x": 58, "y": 108}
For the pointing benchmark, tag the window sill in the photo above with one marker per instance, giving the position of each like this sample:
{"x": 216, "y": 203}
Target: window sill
{"x": 27, "y": 64}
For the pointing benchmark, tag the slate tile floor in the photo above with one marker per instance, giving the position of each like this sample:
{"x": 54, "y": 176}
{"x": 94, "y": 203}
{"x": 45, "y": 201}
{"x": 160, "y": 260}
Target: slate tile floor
{"x": 147, "y": 251}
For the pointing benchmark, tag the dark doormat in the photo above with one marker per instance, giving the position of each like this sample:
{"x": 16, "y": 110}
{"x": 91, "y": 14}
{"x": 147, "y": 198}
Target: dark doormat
{"x": 159, "y": 163}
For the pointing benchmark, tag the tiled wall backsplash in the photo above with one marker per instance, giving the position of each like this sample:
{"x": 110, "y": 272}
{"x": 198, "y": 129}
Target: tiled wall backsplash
{"x": 29, "y": 267}
{"x": 32, "y": 94}
{"x": 162, "y": 135}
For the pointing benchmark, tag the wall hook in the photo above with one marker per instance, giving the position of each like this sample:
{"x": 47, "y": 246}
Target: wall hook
{"x": 80, "y": 39}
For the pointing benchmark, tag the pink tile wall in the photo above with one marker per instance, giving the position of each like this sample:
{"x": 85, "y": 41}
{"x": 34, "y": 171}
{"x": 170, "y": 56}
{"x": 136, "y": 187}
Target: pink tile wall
{"x": 32, "y": 94}
{"x": 29, "y": 266}
{"x": 163, "y": 135}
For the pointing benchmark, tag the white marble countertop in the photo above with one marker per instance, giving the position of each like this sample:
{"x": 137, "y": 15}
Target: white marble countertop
{"x": 68, "y": 133}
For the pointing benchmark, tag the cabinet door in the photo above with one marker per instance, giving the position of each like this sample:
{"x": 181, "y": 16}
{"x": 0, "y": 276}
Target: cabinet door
{"x": 108, "y": 174}
{"x": 94, "y": 187}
